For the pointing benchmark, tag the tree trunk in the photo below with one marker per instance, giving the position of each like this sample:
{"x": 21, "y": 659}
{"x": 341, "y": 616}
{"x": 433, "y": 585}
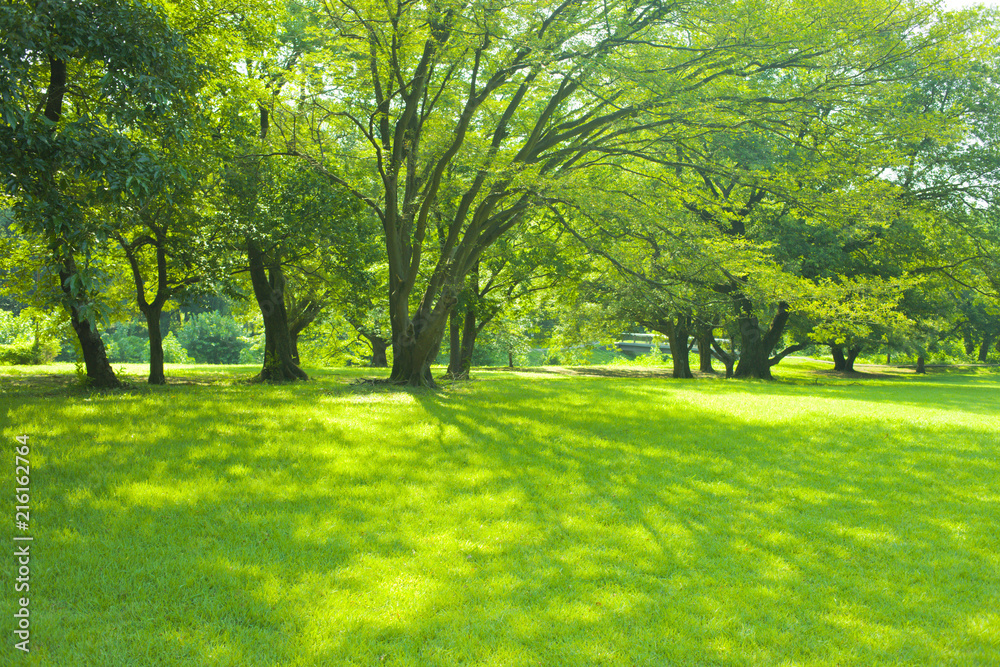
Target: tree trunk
{"x": 415, "y": 349}
{"x": 984, "y": 349}
{"x": 455, "y": 344}
{"x": 379, "y": 358}
{"x": 293, "y": 339}
{"x": 852, "y": 354}
{"x": 753, "y": 356}
{"x": 839, "y": 361}
{"x": 95, "y": 356}
{"x": 470, "y": 330}
{"x": 153, "y": 315}
{"x": 920, "y": 364}
{"x": 970, "y": 345}
{"x": 461, "y": 368}
{"x": 305, "y": 314}
{"x": 705, "y": 338}
{"x": 268, "y": 287}
{"x": 727, "y": 358}
{"x": 678, "y": 332}
{"x": 756, "y": 345}
{"x": 510, "y": 359}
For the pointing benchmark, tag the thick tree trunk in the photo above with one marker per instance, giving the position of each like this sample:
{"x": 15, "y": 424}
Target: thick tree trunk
{"x": 379, "y": 346}
{"x": 984, "y": 349}
{"x": 454, "y": 344}
{"x": 510, "y": 359}
{"x": 153, "y": 315}
{"x": 756, "y": 345}
{"x": 268, "y": 286}
{"x": 705, "y": 338}
{"x": 678, "y": 332}
{"x": 920, "y": 364}
{"x": 852, "y": 354}
{"x": 839, "y": 361}
{"x": 95, "y": 356}
{"x": 413, "y": 356}
{"x": 753, "y": 355}
{"x": 416, "y": 347}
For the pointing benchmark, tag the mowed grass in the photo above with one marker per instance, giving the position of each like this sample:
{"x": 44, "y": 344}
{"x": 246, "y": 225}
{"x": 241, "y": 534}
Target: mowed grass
{"x": 518, "y": 519}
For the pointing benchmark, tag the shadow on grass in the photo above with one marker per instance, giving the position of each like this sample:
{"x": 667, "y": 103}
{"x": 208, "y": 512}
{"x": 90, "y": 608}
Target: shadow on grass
{"x": 598, "y": 522}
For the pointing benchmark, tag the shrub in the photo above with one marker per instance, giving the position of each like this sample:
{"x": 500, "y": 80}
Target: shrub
{"x": 17, "y": 354}
{"x": 253, "y": 349}
{"x": 125, "y": 347}
{"x": 174, "y": 352}
{"x": 27, "y": 338}
{"x": 13, "y": 328}
{"x": 212, "y": 338}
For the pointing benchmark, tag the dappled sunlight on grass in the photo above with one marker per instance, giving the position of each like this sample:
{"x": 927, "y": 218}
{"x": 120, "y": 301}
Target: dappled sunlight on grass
{"x": 517, "y": 520}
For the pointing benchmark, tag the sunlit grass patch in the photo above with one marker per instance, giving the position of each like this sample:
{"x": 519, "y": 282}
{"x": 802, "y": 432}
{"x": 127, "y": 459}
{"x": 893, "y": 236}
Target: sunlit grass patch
{"x": 515, "y": 520}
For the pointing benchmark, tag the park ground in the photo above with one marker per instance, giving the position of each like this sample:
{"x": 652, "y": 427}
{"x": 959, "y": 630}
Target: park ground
{"x": 557, "y": 516}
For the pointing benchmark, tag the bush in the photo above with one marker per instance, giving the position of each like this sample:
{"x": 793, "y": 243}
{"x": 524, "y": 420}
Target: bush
{"x": 174, "y": 352}
{"x": 17, "y": 354}
{"x": 13, "y": 329}
{"x": 127, "y": 344}
{"x": 253, "y": 349}
{"x": 212, "y": 338}
{"x": 27, "y": 338}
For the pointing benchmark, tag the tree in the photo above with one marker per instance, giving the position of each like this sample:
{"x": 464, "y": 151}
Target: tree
{"x": 107, "y": 71}
{"x": 469, "y": 116}
{"x": 816, "y": 159}
{"x": 524, "y": 262}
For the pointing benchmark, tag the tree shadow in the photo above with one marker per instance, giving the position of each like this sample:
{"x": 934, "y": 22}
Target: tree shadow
{"x": 623, "y": 521}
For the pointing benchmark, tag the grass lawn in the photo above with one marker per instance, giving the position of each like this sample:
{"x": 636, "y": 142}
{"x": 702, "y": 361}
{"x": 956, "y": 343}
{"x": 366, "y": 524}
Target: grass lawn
{"x": 523, "y": 518}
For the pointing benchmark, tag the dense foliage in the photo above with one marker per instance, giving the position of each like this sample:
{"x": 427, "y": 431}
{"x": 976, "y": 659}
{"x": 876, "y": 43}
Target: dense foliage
{"x": 399, "y": 180}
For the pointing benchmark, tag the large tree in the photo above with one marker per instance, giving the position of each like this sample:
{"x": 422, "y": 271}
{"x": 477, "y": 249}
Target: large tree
{"x": 78, "y": 81}
{"x": 468, "y": 116}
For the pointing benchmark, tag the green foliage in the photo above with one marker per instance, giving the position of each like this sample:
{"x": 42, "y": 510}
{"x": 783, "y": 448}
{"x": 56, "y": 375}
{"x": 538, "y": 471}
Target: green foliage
{"x": 126, "y": 343}
{"x": 253, "y": 348}
{"x": 28, "y": 338}
{"x": 212, "y": 338}
{"x": 174, "y": 352}
{"x": 23, "y": 353}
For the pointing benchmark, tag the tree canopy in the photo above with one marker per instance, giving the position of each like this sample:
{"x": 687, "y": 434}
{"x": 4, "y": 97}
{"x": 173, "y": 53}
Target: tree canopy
{"x": 784, "y": 173}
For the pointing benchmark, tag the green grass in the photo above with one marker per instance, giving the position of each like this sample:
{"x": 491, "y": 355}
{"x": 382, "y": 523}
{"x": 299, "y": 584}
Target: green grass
{"x": 518, "y": 519}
